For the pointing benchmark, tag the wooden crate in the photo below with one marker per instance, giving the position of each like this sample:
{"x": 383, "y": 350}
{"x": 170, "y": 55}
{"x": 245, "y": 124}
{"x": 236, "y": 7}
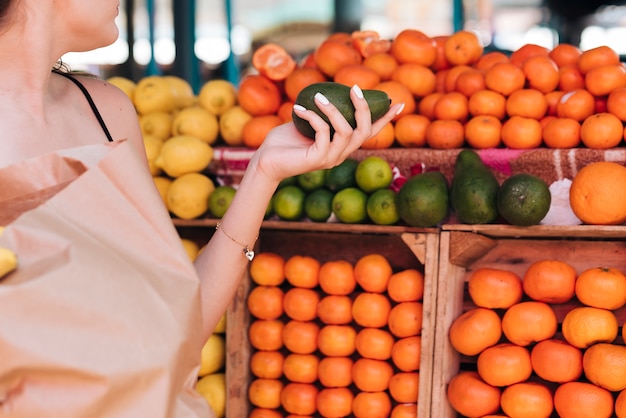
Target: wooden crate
{"x": 465, "y": 248}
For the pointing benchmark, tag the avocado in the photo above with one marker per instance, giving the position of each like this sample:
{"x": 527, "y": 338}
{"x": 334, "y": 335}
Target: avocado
{"x": 474, "y": 190}
{"x": 423, "y": 200}
{"x": 339, "y": 95}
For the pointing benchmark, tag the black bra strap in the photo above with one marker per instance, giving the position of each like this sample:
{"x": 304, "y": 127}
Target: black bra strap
{"x": 91, "y": 102}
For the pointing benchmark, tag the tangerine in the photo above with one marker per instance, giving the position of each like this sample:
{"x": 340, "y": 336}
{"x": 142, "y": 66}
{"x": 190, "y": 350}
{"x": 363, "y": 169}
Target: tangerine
{"x": 267, "y": 364}
{"x": 463, "y": 47}
{"x": 371, "y": 405}
{"x": 256, "y": 129}
{"x": 529, "y": 322}
{"x": 301, "y": 303}
{"x": 412, "y": 45}
{"x": 267, "y": 269}
{"x": 371, "y": 375}
{"x": 504, "y": 364}
{"x": 299, "y": 398}
{"x": 483, "y": 131}
{"x": 603, "y": 80}
{"x": 372, "y": 272}
{"x": 273, "y": 61}
{"x": 541, "y": 73}
{"x": 265, "y": 393}
{"x": 445, "y": 134}
{"x": 470, "y": 395}
{"x": 487, "y": 102}
{"x": 599, "y": 56}
{"x": 494, "y": 288}
{"x": 405, "y": 319}
{"x": 335, "y": 309}
{"x": 300, "y": 78}
{"x": 570, "y": 78}
{"x": 505, "y": 78}
{"x": 550, "y": 281}
{"x": 561, "y": 133}
{"x": 520, "y": 132}
{"x": 602, "y": 131}
{"x": 418, "y": 78}
{"x": 302, "y": 271}
{"x": 583, "y": 399}
{"x": 371, "y": 309}
{"x": 335, "y": 402}
{"x": 565, "y": 54}
{"x": 335, "y": 371}
{"x": 601, "y": 287}
{"x": 300, "y": 337}
{"x": 352, "y": 74}
{"x": 336, "y": 277}
{"x": 404, "y": 387}
{"x": 452, "y": 105}
{"x": 382, "y": 63}
{"x": 527, "y": 51}
{"x": 398, "y": 93}
{"x": 556, "y": 361}
{"x": 266, "y": 334}
{"x": 258, "y": 95}
{"x": 337, "y": 340}
{"x": 603, "y": 365}
{"x": 410, "y": 130}
{"x": 301, "y": 368}
{"x": 527, "y": 400}
{"x": 374, "y": 343}
{"x": 405, "y": 353}
{"x": 527, "y": 103}
{"x": 577, "y": 104}
{"x": 474, "y": 330}
{"x": 584, "y": 326}
{"x": 265, "y": 302}
{"x": 406, "y": 286}
{"x": 616, "y": 103}
{"x": 331, "y": 55}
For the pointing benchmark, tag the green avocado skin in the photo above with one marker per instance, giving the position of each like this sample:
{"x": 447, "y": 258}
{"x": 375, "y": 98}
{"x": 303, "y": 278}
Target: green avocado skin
{"x": 474, "y": 190}
{"x": 339, "y": 95}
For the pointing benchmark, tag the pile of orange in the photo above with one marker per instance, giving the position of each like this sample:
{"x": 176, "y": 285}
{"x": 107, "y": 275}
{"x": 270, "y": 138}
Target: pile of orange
{"x": 544, "y": 343}
{"x": 334, "y": 338}
{"x": 455, "y": 93}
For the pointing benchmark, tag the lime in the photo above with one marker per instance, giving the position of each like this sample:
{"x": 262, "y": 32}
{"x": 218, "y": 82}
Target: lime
{"x": 220, "y": 199}
{"x": 423, "y": 200}
{"x": 288, "y": 203}
{"x": 342, "y": 175}
{"x": 373, "y": 173}
{"x": 312, "y": 180}
{"x": 523, "y": 199}
{"x": 350, "y": 205}
{"x": 318, "y": 205}
{"x": 381, "y": 207}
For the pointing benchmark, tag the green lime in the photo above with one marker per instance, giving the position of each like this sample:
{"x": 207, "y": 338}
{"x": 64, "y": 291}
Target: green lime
{"x": 423, "y": 200}
{"x": 312, "y": 180}
{"x": 350, "y": 205}
{"x": 523, "y": 199}
{"x": 288, "y": 203}
{"x": 381, "y": 207}
{"x": 220, "y": 199}
{"x": 342, "y": 175}
{"x": 318, "y": 205}
{"x": 373, "y": 173}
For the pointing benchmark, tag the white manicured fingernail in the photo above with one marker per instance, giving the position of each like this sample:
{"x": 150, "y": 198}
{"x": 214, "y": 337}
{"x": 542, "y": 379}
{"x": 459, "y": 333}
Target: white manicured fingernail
{"x": 400, "y": 109}
{"x": 299, "y": 108}
{"x": 358, "y": 91}
{"x": 321, "y": 98}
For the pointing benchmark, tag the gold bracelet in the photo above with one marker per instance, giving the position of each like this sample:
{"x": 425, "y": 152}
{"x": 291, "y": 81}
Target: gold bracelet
{"x": 246, "y": 250}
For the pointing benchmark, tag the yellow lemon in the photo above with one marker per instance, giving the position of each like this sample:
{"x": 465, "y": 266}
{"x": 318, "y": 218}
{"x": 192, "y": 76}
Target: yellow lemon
{"x": 154, "y": 94}
{"x": 220, "y": 328}
{"x": 162, "y": 184}
{"x": 213, "y": 356}
{"x": 157, "y": 124}
{"x": 198, "y": 122}
{"x": 213, "y": 388}
{"x": 152, "y": 145}
{"x": 231, "y": 125}
{"x": 182, "y": 92}
{"x": 125, "y": 84}
{"x": 188, "y": 195}
{"x": 217, "y": 96}
{"x": 191, "y": 248}
{"x": 184, "y": 154}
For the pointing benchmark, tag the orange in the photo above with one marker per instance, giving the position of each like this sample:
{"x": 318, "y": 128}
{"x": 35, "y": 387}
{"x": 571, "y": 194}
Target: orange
{"x": 258, "y": 95}
{"x": 583, "y": 400}
{"x": 335, "y": 309}
{"x": 504, "y": 364}
{"x": 426, "y": 106}
{"x": 301, "y": 368}
{"x": 267, "y": 364}
{"x": 334, "y": 402}
{"x": 256, "y": 129}
{"x": 469, "y": 82}
{"x": 597, "y": 57}
{"x": 302, "y": 271}
{"x": 267, "y": 269}
{"x": 372, "y": 272}
{"x": 452, "y": 105}
{"x": 337, "y": 340}
{"x": 300, "y": 78}
{"x": 334, "y": 372}
{"x": 584, "y": 326}
{"x": 616, "y": 103}
{"x": 577, "y": 104}
{"x": 601, "y": 81}
{"x": 405, "y": 353}
{"x": 490, "y": 58}
{"x": 418, "y": 78}
{"x": 301, "y": 303}
{"x": 561, "y": 133}
{"x": 371, "y": 309}
{"x": 570, "y": 78}
{"x": 463, "y": 47}
{"x": 265, "y": 302}
{"x": 265, "y": 413}
{"x": 398, "y": 93}
{"x": 273, "y": 61}
{"x": 552, "y": 99}
{"x": 336, "y": 277}
{"x": 404, "y": 410}
{"x": 374, "y": 343}
{"x": 299, "y": 398}
{"x": 494, "y": 288}
{"x": 405, "y": 319}
{"x": 541, "y": 73}
{"x": 483, "y": 131}
{"x": 369, "y": 42}
{"x": 487, "y": 102}
{"x": 352, "y": 74}
{"x": 556, "y": 361}
{"x": 383, "y": 139}
{"x": 371, "y": 405}
{"x": 565, "y": 54}
{"x": 452, "y": 75}
{"x": 300, "y": 337}
{"x": 406, "y": 286}
{"x": 474, "y": 330}
{"x": 371, "y": 375}
{"x": 404, "y": 387}
{"x": 527, "y": 51}
{"x": 529, "y": 322}
{"x": 445, "y": 134}
{"x": 620, "y": 404}
{"x": 469, "y": 395}
{"x": 597, "y": 195}
{"x": 331, "y": 55}
{"x": 441, "y": 63}
{"x": 550, "y": 281}
{"x": 265, "y": 393}
{"x": 285, "y": 111}
{"x": 602, "y": 287}
{"x": 266, "y": 334}
{"x": 382, "y": 63}
{"x": 528, "y": 103}
{"x": 412, "y": 45}
{"x": 527, "y": 400}
{"x": 520, "y": 132}
{"x": 505, "y": 78}
{"x": 602, "y": 131}
{"x": 603, "y": 365}
{"x": 410, "y": 130}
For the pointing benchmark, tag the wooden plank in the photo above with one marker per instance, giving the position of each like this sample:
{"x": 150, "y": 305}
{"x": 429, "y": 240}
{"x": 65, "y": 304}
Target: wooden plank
{"x": 542, "y": 231}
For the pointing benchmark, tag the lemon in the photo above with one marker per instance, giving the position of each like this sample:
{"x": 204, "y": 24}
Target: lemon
{"x": 523, "y": 199}
{"x": 381, "y": 207}
{"x": 312, "y": 180}
{"x": 158, "y": 124}
{"x": 195, "y": 121}
{"x": 181, "y": 91}
{"x": 342, "y": 175}
{"x": 220, "y": 200}
{"x": 220, "y": 328}
{"x": 217, "y": 96}
{"x": 127, "y": 85}
{"x": 184, "y": 154}
{"x": 153, "y": 94}
{"x": 318, "y": 205}
{"x": 288, "y": 203}
{"x": 162, "y": 184}
{"x": 188, "y": 195}
{"x": 152, "y": 145}
{"x": 191, "y": 248}
{"x": 231, "y": 124}
{"x": 213, "y": 388}
{"x": 213, "y": 355}
{"x": 373, "y": 173}
{"x": 349, "y": 205}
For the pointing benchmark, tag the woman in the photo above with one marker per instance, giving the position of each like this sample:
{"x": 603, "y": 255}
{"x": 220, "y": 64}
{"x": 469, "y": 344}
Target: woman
{"x": 45, "y": 111}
